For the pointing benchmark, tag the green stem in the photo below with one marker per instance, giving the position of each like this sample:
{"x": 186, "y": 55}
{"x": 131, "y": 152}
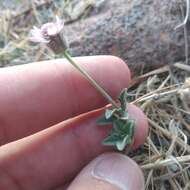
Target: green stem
{"x": 90, "y": 79}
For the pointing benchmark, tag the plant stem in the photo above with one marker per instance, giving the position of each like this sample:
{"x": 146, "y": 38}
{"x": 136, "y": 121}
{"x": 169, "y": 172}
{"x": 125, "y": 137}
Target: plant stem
{"x": 166, "y": 162}
{"x": 90, "y": 79}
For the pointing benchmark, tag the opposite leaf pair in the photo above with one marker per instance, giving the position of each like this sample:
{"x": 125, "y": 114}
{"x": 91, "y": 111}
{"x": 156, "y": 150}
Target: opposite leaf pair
{"x": 123, "y": 127}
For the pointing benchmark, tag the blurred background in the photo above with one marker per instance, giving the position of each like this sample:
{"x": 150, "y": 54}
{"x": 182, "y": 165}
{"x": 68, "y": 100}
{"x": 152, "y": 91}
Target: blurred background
{"x": 17, "y": 17}
{"x": 141, "y": 32}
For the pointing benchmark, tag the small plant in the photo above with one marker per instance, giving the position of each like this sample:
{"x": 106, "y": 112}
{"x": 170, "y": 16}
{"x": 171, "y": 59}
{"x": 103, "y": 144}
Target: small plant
{"x": 122, "y": 132}
{"x": 123, "y": 127}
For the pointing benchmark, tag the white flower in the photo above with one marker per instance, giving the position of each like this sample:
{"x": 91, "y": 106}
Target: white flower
{"x": 37, "y": 36}
{"x": 44, "y": 33}
{"x": 51, "y": 34}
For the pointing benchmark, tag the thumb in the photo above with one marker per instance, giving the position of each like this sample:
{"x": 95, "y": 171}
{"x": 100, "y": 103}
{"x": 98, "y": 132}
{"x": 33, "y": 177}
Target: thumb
{"x": 111, "y": 171}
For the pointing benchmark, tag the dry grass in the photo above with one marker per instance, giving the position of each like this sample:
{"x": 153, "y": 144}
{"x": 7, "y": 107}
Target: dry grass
{"x": 16, "y": 23}
{"x": 163, "y": 95}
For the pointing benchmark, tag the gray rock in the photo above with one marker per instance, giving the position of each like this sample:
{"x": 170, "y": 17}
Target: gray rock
{"x": 139, "y": 31}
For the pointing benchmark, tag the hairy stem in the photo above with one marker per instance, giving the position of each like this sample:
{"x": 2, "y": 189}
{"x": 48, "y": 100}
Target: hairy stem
{"x": 90, "y": 79}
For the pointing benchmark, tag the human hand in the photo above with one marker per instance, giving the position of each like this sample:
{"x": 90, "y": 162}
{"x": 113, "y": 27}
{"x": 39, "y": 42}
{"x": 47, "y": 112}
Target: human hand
{"x": 43, "y": 149}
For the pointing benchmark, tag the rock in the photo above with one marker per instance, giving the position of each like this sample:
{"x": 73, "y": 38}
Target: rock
{"x": 139, "y": 31}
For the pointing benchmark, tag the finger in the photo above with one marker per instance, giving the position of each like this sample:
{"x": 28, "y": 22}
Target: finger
{"x": 63, "y": 187}
{"x": 140, "y": 133}
{"x": 111, "y": 171}
{"x": 52, "y": 157}
{"x": 39, "y": 95}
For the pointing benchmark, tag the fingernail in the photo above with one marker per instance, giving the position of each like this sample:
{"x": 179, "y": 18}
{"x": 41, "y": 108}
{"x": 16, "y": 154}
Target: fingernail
{"x": 119, "y": 170}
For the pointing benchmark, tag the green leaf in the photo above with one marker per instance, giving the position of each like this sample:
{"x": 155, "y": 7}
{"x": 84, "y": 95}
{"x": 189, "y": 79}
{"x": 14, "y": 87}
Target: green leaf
{"x": 131, "y": 128}
{"x": 123, "y": 127}
{"x": 111, "y": 139}
{"x": 122, "y": 144}
{"x": 118, "y": 141}
{"x": 121, "y": 134}
{"x": 109, "y": 113}
{"x": 122, "y": 99}
{"x": 104, "y": 121}
{"x": 119, "y": 126}
{"x": 125, "y": 116}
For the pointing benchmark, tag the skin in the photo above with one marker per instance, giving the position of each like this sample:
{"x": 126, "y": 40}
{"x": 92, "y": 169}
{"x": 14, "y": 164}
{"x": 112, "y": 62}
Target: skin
{"x": 48, "y": 128}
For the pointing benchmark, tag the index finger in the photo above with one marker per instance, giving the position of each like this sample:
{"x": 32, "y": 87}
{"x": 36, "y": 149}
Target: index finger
{"x": 55, "y": 155}
{"x": 36, "y": 96}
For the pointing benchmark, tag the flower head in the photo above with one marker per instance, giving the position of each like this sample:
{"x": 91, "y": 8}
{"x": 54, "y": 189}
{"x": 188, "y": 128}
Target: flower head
{"x": 51, "y": 34}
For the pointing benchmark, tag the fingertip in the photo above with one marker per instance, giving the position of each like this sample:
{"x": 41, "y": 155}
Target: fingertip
{"x": 110, "y": 171}
{"x": 141, "y": 125}
{"x": 122, "y": 67}
{"x": 114, "y": 69}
